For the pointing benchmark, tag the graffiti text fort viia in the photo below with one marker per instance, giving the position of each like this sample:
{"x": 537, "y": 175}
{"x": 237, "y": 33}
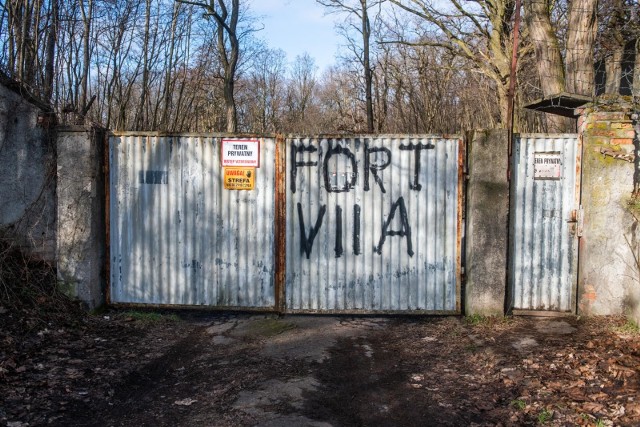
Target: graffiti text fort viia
{"x": 376, "y": 159}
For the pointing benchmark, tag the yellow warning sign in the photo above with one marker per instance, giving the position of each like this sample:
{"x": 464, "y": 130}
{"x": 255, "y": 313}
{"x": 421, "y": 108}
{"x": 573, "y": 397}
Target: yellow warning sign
{"x": 239, "y": 178}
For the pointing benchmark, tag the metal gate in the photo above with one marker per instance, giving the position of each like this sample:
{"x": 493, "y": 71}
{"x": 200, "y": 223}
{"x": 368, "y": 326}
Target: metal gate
{"x": 177, "y": 236}
{"x": 544, "y": 224}
{"x": 374, "y": 224}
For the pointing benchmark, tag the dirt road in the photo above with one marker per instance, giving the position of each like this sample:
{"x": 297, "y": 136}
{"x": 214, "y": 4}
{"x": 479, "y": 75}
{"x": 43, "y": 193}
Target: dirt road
{"x": 130, "y": 369}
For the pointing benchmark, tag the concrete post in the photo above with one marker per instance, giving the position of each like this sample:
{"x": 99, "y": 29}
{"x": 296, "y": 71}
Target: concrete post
{"x": 81, "y": 214}
{"x": 487, "y": 223}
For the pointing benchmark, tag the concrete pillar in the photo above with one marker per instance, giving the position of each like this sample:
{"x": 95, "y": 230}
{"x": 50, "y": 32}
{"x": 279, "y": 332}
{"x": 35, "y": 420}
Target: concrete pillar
{"x": 81, "y": 214}
{"x": 487, "y": 223}
{"x": 609, "y": 276}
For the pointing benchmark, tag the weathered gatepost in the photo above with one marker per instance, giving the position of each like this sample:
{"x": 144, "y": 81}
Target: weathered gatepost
{"x": 609, "y": 269}
{"x": 487, "y": 218}
{"x": 81, "y": 213}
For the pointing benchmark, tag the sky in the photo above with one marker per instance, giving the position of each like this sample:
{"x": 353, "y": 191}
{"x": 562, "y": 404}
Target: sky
{"x": 298, "y": 26}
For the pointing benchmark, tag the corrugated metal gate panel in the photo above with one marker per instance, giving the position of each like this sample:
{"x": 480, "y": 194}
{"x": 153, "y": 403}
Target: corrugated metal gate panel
{"x": 177, "y": 237}
{"x": 374, "y": 224}
{"x": 543, "y": 234}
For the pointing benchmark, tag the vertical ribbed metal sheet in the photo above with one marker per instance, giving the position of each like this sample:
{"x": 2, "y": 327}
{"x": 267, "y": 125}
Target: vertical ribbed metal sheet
{"x": 544, "y": 243}
{"x": 374, "y": 224}
{"x": 177, "y": 236}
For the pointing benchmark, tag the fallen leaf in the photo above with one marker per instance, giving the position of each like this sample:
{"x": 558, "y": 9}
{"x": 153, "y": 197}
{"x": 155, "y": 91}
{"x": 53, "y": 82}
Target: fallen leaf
{"x": 633, "y": 408}
{"x": 593, "y": 407}
{"x": 185, "y": 402}
{"x": 599, "y": 396}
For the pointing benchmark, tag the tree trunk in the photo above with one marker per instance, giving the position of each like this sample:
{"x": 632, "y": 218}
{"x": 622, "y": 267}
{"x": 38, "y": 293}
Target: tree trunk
{"x": 613, "y": 70}
{"x": 230, "y": 105}
{"x": 581, "y": 36}
{"x": 140, "y": 119}
{"x": 50, "y": 52}
{"x": 87, "y": 16}
{"x": 229, "y": 58}
{"x": 22, "y": 42}
{"x": 366, "y": 36}
{"x": 548, "y": 58}
{"x": 168, "y": 84}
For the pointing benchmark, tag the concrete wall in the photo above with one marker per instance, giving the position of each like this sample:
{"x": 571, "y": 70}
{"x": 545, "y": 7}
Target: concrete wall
{"x": 27, "y": 175}
{"x": 81, "y": 214}
{"x": 609, "y": 277}
{"x": 487, "y": 223}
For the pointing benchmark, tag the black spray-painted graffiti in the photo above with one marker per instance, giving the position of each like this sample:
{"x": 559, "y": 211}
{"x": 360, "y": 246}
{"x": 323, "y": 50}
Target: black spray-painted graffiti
{"x": 376, "y": 160}
{"x": 306, "y": 240}
{"x": 416, "y": 148}
{"x": 370, "y": 168}
{"x": 405, "y": 231}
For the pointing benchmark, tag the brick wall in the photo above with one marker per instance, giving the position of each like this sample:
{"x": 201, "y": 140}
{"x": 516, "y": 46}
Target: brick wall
{"x": 608, "y": 277}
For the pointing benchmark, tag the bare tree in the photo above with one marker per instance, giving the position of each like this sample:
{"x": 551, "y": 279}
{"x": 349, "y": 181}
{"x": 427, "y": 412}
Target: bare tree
{"x": 619, "y": 32}
{"x": 360, "y": 10}
{"x": 228, "y": 48}
{"x": 478, "y": 30}
{"x": 266, "y": 82}
{"x": 556, "y": 76}
{"x": 50, "y": 51}
{"x": 301, "y": 89}
{"x": 87, "y": 18}
{"x": 581, "y": 36}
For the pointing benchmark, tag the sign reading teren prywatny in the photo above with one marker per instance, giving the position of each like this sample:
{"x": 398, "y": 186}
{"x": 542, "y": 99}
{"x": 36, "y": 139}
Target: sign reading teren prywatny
{"x": 239, "y": 178}
{"x": 240, "y": 153}
{"x": 547, "y": 165}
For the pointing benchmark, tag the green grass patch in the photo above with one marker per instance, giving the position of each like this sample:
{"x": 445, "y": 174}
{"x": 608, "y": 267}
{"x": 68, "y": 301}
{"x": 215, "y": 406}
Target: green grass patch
{"x": 149, "y": 316}
{"x": 476, "y": 319}
{"x": 545, "y": 416}
{"x": 629, "y": 327}
{"x": 269, "y": 327}
{"x": 519, "y": 404}
{"x": 481, "y": 320}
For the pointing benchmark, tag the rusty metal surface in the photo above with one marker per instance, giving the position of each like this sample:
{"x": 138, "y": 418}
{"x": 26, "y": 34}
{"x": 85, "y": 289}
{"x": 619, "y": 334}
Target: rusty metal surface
{"x": 179, "y": 238}
{"x": 374, "y": 224}
{"x": 281, "y": 224}
{"x": 544, "y": 241}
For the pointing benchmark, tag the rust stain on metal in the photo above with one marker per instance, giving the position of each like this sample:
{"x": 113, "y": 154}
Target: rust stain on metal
{"x": 281, "y": 224}
{"x": 579, "y": 171}
{"x": 544, "y": 241}
{"x": 461, "y": 183}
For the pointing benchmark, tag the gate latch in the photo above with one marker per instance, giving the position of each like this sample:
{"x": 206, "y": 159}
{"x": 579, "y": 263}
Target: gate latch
{"x": 577, "y": 220}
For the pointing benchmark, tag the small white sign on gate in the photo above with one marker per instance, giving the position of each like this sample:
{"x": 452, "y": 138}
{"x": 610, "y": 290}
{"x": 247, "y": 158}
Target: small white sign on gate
{"x": 240, "y": 153}
{"x": 547, "y": 165}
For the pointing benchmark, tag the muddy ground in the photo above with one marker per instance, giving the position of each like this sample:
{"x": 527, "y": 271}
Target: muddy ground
{"x": 204, "y": 369}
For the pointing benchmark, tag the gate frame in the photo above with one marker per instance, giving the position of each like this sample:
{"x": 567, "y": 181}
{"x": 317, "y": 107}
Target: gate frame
{"x": 280, "y": 241}
{"x": 461, "y": 228}
{"x": 576, "y": 219}
{"x": 107, "y": 232}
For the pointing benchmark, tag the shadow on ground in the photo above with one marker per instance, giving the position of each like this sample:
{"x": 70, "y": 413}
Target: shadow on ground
{"x": 123, "y": 369}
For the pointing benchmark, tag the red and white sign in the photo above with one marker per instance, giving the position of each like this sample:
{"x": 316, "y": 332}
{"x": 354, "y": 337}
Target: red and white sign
{"x": 240, "y": 152}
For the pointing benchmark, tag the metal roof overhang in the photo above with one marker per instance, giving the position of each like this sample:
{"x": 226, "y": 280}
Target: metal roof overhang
{"x": 562, "y": 104}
